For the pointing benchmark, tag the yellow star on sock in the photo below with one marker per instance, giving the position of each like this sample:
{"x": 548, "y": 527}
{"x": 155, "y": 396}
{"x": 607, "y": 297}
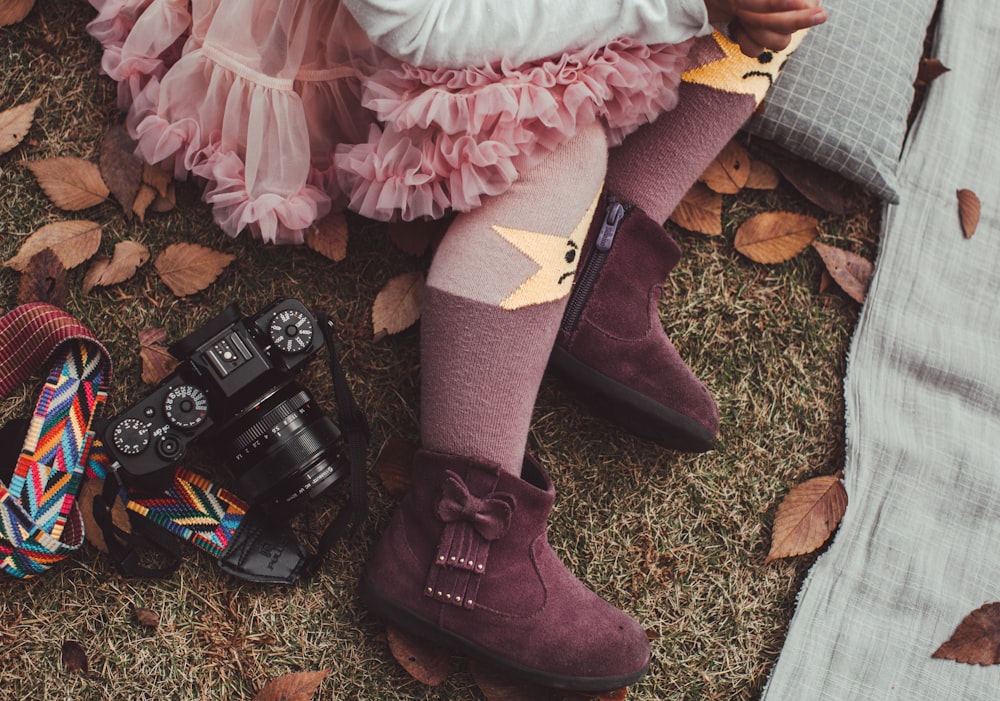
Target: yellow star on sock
{"x": 738, "y": 73}
{"x": 556, "y": 257}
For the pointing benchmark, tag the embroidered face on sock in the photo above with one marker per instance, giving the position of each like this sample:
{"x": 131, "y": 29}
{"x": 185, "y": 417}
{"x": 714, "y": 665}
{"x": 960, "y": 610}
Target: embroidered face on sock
{"x": 736, "y": 72}
{"x": 556, "y": 255}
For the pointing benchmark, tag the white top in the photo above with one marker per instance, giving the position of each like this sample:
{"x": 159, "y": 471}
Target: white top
{"x": 460, "y": 33}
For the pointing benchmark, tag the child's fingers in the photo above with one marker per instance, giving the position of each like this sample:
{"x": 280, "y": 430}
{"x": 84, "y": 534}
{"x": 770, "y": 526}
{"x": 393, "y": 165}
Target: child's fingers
{"x": 772, "y": 6}
{"x": 748, "y": 45}
{"x": 781, "y": 22}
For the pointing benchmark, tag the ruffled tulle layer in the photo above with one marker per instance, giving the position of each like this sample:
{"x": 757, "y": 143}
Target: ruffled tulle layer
{"x": 449, "y": 137}
{"x": 284, "y": 112}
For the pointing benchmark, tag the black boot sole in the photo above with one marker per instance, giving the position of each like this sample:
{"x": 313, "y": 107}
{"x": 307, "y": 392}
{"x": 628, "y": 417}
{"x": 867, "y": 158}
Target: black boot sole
{"x": 391, "y": 612}
{"x": 633, "y": 411}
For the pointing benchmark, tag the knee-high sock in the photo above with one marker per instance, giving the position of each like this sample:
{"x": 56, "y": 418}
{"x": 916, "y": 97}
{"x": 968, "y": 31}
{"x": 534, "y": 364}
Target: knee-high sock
{"x": 495, "y": 295}
{"x": 657, "y": 164}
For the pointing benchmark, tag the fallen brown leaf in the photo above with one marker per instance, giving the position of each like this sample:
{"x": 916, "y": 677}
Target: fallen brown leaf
{"x": 976, "y": 640}
{"x": 425, "y": 661}
{"x": 774, "y": 237}
{"x": 397, "y": 305}
{"x": 822, "y": 187}
{"x": 156, "y": 360}
{"x": 295, "y": 686}
{"x": 187, "y": 268}
{"x": 930, "y": 70}
{"x": 165, "y": 203}
{"x": 14, "y": 124}
{"x": 700, "y": 210}
{"x": 92, "y": 532}
{"x": 71, "y": 183}
{"x": 728, "y": 172}
{"x": 852, "y": 272}
{"x": 969, "y": 208}
{"x": 416, "y": 237}
{"x": 328, "y": 236}
{"x": 13, "y": 11}
{"x": 72, "y": 241}
{"x": 145, "y": 197}
{"x": 498, "y": 686}
{"x": 807, "y": 516}
{"x": 121, "y": 169}
{"x": 763, "y": 176}
{"x": 44, "y": 280}
{"x": 157, "y": 178}
{"x": 128, "y": 257}
{"x": 393, "y": 465}
{"x": 74, "y": 657}
{"x": 145, "y": 617}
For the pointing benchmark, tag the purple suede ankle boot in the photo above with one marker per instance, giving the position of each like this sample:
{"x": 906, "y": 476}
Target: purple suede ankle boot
{"x": 612, "y": 344}
{"x": 465, "y": 562}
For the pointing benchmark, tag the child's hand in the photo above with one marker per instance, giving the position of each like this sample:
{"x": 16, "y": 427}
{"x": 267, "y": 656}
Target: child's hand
{"x": 757, "y": 25}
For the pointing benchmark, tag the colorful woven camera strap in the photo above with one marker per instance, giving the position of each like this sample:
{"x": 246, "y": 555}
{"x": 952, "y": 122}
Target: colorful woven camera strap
{"x": 40, "y": 522}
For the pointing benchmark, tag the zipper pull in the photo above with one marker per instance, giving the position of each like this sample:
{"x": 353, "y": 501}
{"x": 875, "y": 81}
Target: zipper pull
{"x": 609, "y": 227}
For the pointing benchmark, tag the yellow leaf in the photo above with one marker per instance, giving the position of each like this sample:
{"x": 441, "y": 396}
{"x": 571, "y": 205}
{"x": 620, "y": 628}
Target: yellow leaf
{"x": 729, "y": 171}
{"x": 72, "y": 241}
{"x": 14, "y": 124}
{"x": 700, "y": 210}
{"x": 71, "y": 183}
{"x": 397, "y": 305}
{"x": 328, "y": 236}
{"x": 187, "y": 268}
{"x": 807, "y": 516}
{"x": 13, "y": 11}
{"x": 773, "y": 237}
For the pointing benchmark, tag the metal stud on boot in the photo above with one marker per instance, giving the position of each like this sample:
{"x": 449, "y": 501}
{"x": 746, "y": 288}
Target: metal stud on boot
{"x": 612, "y": 345}
{"x": 465, "y": 562}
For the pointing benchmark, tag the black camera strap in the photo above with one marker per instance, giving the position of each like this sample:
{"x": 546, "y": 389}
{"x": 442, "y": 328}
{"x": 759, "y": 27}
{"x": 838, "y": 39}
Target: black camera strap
{"x": 354, "y": 427}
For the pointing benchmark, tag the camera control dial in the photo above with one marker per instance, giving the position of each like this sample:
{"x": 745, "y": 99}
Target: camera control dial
{"x": 291, "y": 331}
{"x": 185, "y": 406}
{"x": 131, "y": 436}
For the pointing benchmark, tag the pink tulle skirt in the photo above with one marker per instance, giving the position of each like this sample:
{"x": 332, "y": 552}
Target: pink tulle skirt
{"x": 284, "y": 111}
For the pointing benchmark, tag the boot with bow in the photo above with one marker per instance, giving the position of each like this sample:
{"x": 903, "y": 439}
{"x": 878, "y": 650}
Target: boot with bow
{"x": 465, "y": 562}
{"x": 612, "y": 345}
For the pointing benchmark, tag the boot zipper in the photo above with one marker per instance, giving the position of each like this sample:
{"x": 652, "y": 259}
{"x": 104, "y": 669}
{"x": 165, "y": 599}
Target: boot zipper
{"x": 584, "y": 285}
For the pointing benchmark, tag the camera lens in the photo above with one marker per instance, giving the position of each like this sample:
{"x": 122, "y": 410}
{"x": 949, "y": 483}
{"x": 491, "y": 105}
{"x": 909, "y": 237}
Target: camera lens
{"x": 284, "y": 450}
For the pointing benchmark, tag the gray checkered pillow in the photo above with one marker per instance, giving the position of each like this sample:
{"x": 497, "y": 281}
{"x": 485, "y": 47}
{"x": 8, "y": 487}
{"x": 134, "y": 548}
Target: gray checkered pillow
{"x": 843, "y": 99}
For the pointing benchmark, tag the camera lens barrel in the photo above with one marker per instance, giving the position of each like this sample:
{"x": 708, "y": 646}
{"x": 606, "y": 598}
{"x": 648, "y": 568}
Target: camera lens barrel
{"x": 284, "y": 450}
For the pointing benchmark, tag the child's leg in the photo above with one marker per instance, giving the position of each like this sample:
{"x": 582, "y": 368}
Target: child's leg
{"x": 465, "y": 559}
{"x": 495, "y": 295}
{"x": 614, "y": 346}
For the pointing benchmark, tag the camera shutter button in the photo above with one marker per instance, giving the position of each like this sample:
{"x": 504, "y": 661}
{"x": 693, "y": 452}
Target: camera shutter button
{"x": 169, "y": 447}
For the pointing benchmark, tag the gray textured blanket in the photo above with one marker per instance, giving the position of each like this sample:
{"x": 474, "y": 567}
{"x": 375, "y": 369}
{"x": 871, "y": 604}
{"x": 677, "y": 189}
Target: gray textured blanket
{"x": 919, "y": 547}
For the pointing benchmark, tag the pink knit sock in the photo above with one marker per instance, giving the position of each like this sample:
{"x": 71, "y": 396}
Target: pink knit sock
{"x": 494, "y": 298}
{"x": 656, "y": 165}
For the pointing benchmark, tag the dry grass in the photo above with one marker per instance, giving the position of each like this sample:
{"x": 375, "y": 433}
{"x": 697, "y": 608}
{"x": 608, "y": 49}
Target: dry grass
{"x": 677, "y": 540}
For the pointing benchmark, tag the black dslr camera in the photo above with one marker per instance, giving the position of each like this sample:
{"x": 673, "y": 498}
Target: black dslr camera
{"x": 234, "y": 386}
